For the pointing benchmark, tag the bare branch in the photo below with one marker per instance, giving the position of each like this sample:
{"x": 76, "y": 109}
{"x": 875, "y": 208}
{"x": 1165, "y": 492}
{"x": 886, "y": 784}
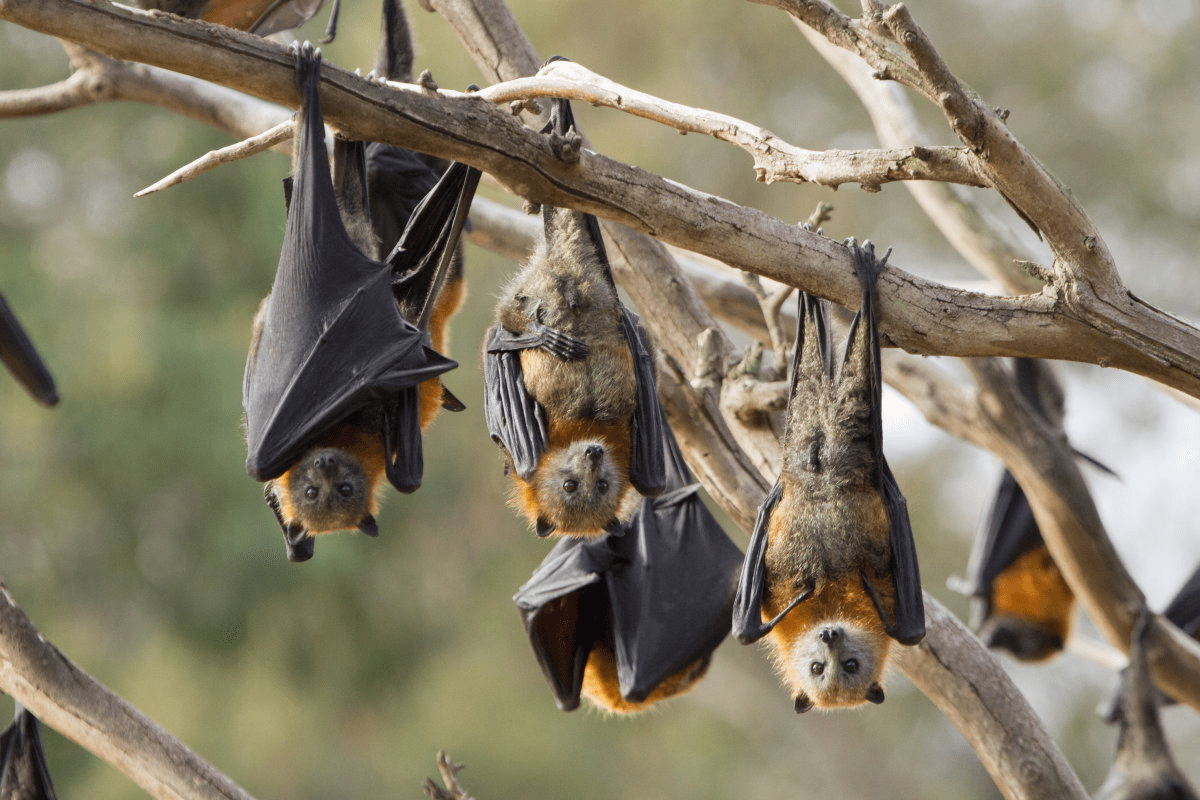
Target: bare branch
{"x": 774, "y": 159}
{"x": 41, "y": 678}
{"x": 1064, "y": 321}
{"x": 449, "y": 771}
{"x": 226, "y": 155}
{"x": 77, "y": 90}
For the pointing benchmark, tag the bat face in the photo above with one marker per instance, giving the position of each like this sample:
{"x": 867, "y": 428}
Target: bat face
{"x": 329, "y": 489}
{"x": 836, "y": 665}
{"x": 578, "y": 489}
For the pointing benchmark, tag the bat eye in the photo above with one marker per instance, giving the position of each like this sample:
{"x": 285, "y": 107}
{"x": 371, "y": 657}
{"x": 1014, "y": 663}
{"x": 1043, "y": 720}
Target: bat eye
{"x": 602, "y": 486}
{"x": 311, "y": 492}
{"x": 570, "y": 486}
{"x": 345, "y": 489}
{"x": 817, "y": 667}
{"x": 850, "y": 665}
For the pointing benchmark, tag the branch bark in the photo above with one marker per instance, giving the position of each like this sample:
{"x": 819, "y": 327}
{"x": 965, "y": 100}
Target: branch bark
{"x": 1066, "y": 320}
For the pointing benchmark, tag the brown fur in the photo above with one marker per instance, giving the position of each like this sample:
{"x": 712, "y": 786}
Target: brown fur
{"x": 447, "y": 303}
{"x": 602, "y": 687}
{"x": 591, "y": 400}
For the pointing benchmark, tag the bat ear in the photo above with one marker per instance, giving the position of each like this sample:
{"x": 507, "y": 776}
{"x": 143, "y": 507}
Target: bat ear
{"x": 803, "y": 703}
{"x": 368, "y": 526}
{"x": 450, "y": 402}
{"x": 614, "y": 527}
{"x": 875, "y": 693}
{"x": 544, "y": 528}
{"x": 299, "y": 544}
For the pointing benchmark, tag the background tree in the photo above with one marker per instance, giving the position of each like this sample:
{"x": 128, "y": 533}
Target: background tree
{"x": 136, "y": 543}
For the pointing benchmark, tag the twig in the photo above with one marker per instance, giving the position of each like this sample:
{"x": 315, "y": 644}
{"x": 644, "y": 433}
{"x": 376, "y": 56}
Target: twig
{"x": 449, "y": 771}
{"x": 774, "y": 159}
{"x": 78, "y": 90}
{"x": 226, "y": 155}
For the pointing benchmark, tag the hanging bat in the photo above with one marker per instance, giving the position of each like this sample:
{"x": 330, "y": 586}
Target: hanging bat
{"x": 23, "y": 771}
{"x": 569, "y": 381}
{"x": 830, "y": 576}
{"x": 1184, "y": 612}
{"x": 262, "y": 17}
{"x": 627, "y": 619}
{"x": 1143, "y": 768}
{"x": 22, "y": 359}
{"x": 331, "y": 383}
{"x": 1020, "y": 601}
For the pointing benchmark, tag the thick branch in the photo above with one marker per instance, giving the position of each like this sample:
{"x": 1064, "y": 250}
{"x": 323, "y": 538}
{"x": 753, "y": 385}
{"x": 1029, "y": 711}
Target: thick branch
{"x": 975, "y": 693}
{"x": 42, "y": 679}
{"x": 919, "y": 315}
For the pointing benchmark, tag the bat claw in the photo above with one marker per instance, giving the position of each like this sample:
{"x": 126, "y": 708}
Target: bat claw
{"x": 564, "y": 347}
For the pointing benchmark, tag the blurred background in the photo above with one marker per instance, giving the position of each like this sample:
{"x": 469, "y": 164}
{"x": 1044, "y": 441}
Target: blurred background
{"x": 132, "y": 536}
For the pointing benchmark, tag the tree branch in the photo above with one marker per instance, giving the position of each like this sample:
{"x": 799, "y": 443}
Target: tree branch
{"x": 41, "y": 678}
{"x": 1063, "y": 321}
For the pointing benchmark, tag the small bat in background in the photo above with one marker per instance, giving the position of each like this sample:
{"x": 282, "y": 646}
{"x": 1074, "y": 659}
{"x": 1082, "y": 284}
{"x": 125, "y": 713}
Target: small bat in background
{"x": 331, "y": 383}
{"x": 1020, "y": 601}
{"x": 262, "y": 17}
{"x": 627, "y": 619}
{"x": 23, "y": 771}
{"x": 569, "y": 381}
{"x": 22, "y": 358}
{"x": 1143, "y": 768}
{"x": 830, "y": 576}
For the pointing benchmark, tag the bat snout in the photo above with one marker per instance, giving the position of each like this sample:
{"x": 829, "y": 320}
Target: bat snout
{"x": 830, "y": 636}
{"x": 594, "y": 453}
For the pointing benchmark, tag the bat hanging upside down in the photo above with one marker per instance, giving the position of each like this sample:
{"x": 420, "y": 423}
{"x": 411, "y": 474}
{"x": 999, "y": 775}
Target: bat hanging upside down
{"x": 830, "y": 576}
{"x": 570, "y": 382}
{"x": 331, "y": 389}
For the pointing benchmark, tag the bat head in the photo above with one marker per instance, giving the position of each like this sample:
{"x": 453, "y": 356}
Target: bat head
{"x": 835, "y": 665}
{"x": 328, "y": 489}
{"x": 578, "y": 489}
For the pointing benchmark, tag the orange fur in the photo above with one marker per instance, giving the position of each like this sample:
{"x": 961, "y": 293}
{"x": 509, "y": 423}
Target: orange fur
{"x": 844, "y": 603}
{"x": 602, "y": 687}
{"x": 364, "y": 446}
{"x": 1032, "y": 589}
{"x": 240, "y": 14}
{"x": 448, "y": 302}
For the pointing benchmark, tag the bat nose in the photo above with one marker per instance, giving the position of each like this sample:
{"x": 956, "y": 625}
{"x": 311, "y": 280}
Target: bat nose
{"x": 829, "y": 635}
{"x": 594, "y": 452}
{"x": 324, "y": 462}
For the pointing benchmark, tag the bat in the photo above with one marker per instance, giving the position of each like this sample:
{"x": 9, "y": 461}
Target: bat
{"x": 1020, "y": 601}
{"x": 330, "y": 390}
{"x": 1143, "y": 768}
{"x": 23, "y": 771}
{"x": 22, "y": 358}
{"x": 630, "y": 618}
{"x": 830, "y": 575}
{"x": 569, "y": 381}
{"x": 1184, "y": 612}
{"x": 262, "y": 17}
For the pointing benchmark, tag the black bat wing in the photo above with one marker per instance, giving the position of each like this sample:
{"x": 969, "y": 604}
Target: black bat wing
{"x": 565, "y": 608}
{"x": 1008, "y": 532}
{"x": 333, "y": 340}
{"x": 1184, "y": 608}
{"x": 397, "y": 181}
{"x": 647, "y": 468}
{"x": 748, "y": 625}
{"x": 908, "y": 626}
{"x": 514, "y": 419}
{"x": 672, "y": 587}
{"x": 23, "y": 771}
{"x": 286, "y": 15}
{"x": 22, "y": 358}
{"x": 420, "y": 260}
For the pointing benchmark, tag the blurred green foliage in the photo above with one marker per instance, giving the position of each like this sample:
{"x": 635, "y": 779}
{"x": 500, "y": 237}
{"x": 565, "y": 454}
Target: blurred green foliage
{"x": 134, "y": 539}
